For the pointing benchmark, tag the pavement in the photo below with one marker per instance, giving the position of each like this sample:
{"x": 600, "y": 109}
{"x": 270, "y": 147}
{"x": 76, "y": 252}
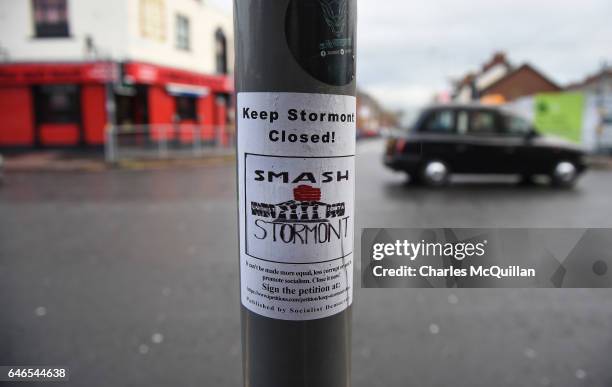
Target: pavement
{"x": 93, "y": 161}
{"x": 129, "y": 277}
{"x": 54, "y": 161}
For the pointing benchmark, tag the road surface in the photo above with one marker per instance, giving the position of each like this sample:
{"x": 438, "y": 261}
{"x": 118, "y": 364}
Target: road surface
{"x": 130, "y": 278}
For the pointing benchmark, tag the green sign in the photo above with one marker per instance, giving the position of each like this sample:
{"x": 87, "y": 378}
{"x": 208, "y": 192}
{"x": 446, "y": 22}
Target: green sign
{"x": 560, "y": 114}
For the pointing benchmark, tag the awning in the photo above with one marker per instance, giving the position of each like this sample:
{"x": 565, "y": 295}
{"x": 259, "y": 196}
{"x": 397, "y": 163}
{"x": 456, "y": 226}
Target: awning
{"x": 181, "y": 90}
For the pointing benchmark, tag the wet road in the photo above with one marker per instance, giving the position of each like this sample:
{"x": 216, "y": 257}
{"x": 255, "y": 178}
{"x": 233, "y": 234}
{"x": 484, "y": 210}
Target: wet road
{"x": 130, "y": 278}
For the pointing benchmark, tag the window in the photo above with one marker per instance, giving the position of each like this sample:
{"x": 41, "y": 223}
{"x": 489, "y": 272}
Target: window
{"x": 483, "y": 122}
{"x": 186, "y": 108}
{"x": 50, "y": 18}
{"x": 153, "y": 20}
{"x": 440, "y": 121}
{"x": 516, "y": 125}
{"x": 221, "y": 52}
{"x": 57, "y": 104}
{"x": 182, "y": 32}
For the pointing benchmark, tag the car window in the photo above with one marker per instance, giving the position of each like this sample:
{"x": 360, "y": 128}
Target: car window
{"x": 440, "y": 121}
{"x": 482, "y": 122}
{"x": 462, "y": 122}
{"x": 516, "y": 125}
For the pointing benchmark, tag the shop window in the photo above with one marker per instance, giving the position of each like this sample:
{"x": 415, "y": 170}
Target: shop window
{"x": 50, "y": 18}
{"x": 186, "y": 108}
{"x": 182, "y": 32}
{"x": 221, "y": 52}
{"x": 57, "y": 104}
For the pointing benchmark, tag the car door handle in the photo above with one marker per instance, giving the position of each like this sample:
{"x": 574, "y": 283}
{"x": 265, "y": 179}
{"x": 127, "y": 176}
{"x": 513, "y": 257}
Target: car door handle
{"x": 509, "y": 150}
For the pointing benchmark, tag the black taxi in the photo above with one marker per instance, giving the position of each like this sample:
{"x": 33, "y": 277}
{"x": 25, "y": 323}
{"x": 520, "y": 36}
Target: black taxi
{"x": 479, "y": 139}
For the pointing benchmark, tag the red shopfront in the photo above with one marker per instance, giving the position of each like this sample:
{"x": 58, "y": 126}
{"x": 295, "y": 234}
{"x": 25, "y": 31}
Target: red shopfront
{"x": 179, "y": 98}
{"x": 54, "y": 104}
{"x": 64, "y": 104}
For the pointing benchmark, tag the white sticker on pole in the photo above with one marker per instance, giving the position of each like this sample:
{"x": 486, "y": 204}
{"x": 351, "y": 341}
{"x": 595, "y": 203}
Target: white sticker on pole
{"x": 296, "y": 196}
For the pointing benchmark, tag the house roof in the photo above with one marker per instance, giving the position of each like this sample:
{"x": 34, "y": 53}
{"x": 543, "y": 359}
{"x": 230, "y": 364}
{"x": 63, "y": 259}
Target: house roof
{"x": 498, "y": 58}
{"x": 593, "y": 78}
{"x": 515, "y": 72}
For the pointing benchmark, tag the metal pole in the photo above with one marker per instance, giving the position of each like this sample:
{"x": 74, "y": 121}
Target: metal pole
{"x": 112, "y": 70}
{"x": 197, "y": 143}
{"x": 110, "y": 145}
{"x": 163, "y": 143}
{"x": 295, "y": 115}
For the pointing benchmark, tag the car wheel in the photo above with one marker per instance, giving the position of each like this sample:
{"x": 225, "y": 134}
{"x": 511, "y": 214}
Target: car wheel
{"x": 564, "y": 174}
{"x": 435, "y": 173}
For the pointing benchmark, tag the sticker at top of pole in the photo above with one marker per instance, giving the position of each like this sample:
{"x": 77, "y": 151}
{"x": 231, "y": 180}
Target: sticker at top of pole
{"x": 321, "y": 37}
{"x": 296, "y": 196}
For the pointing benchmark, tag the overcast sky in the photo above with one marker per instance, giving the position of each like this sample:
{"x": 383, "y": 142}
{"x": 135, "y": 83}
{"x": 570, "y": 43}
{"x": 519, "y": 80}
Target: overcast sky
{"x": 408, "y": 50}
